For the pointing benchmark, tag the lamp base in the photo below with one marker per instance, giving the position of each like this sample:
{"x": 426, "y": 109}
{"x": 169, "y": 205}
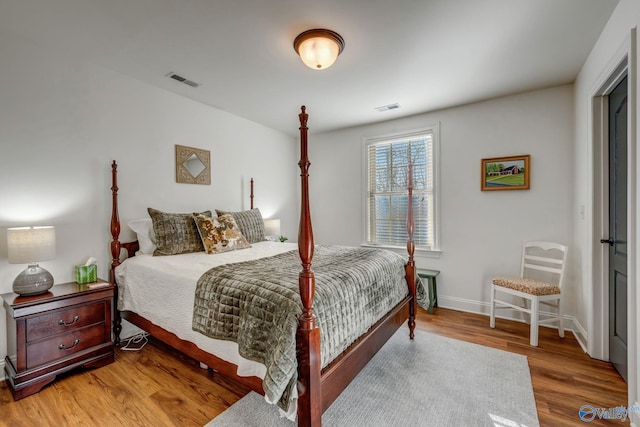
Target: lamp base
{"x": 34, "y": 280}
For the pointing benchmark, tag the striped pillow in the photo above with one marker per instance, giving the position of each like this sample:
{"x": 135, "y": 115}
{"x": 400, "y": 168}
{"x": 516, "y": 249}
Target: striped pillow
{"x": 250, "y": 223}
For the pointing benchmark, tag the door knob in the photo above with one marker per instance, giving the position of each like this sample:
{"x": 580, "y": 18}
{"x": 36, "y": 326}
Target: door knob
{"x": 610, "y": 241}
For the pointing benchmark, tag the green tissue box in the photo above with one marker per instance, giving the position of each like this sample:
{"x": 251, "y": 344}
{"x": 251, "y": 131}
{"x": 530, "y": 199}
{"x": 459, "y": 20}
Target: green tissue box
{"x": 86, "y": 274}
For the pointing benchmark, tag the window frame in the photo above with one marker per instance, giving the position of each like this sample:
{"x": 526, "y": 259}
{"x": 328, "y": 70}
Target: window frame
{"x": 434, "y": 130}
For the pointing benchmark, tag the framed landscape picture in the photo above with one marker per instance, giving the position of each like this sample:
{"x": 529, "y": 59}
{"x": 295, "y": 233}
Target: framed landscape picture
{"x": 505, "y": 173}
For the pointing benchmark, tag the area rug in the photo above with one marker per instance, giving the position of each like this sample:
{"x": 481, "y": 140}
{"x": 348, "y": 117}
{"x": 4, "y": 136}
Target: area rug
{"x": 430, "y": 381}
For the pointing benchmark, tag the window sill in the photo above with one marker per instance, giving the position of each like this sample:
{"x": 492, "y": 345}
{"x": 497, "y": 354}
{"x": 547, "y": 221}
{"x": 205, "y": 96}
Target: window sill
{"x": 402, "y": 250}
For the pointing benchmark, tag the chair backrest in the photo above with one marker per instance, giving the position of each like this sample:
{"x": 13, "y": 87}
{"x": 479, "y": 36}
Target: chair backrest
{"x": 545, "y": 261}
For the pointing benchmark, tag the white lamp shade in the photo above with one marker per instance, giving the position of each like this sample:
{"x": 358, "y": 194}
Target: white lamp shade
{"x": 319, "y": 52}
{"x": 272, "y": 227}
{"x": 318, "y": 48}
{"x": 31, "y": 244}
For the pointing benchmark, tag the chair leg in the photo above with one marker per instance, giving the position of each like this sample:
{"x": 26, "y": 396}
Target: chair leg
{"x": 526, "y": 305}
{"x": 492, "y": 321}
{"x": 535, "y": 306}
{"x": 560, "y": 316}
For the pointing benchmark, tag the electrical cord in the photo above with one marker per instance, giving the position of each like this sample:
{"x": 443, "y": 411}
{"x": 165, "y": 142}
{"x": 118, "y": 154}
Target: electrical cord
{"x": 136, "y": 342}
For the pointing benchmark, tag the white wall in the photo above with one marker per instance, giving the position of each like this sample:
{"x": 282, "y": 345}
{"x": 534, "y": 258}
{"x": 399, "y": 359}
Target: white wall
{"x": 481, "y": 232}
{"x": 62, "y": 122}
{"x": 616, "y": 41}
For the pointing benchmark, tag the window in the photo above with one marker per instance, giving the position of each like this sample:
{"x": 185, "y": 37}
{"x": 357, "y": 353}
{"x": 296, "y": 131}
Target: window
{"x": 387, "y": 161}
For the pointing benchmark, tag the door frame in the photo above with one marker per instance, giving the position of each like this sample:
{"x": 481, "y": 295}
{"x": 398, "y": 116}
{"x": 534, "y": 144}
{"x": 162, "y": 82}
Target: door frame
{"x": 598, "y": 343}
{"x": 625, "y": 60}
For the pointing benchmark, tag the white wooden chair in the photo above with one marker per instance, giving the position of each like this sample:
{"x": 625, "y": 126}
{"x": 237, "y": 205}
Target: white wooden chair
{"x": 541, "y": 278}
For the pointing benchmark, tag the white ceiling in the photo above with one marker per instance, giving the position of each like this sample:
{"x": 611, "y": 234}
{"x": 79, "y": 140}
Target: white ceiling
{"x": 423, "y": 54}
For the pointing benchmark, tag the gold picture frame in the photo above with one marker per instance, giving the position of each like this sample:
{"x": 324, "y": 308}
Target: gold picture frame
{"x": 505, "y": 173}
{"x": 193, "y": 165}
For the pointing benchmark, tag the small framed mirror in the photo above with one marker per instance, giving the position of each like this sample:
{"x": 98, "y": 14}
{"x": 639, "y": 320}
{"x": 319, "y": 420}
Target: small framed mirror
{"x": 193, "y": 165}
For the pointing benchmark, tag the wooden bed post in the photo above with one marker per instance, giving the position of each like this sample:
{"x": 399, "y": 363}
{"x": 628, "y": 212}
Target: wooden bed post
{"x": 115, "y": 223}
{"x": 410, "y": 267}
{"x": 308, "y": 334}
{"x": 251, "y": 193}
{"x": 115, "y": 249}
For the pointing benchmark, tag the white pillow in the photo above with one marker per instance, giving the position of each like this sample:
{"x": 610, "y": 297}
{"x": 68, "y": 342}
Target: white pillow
{"x": 146, "y": 237}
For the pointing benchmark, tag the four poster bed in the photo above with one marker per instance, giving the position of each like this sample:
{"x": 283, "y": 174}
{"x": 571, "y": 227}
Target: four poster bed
{"x": 321, "y": 372}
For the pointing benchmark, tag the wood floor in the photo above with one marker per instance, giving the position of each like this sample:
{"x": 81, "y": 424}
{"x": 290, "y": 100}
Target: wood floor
{"x": 160, "y": 387}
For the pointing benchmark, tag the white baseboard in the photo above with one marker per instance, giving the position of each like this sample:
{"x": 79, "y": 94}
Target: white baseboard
{"x": 580, "y": 333}
{"x": 2, "y": 377}
{"x": 463, "y": 304}
{"x": 484, "y": 308}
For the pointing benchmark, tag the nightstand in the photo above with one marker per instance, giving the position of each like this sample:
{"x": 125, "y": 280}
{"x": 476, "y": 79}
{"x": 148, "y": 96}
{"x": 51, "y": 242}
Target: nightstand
{"x": 67, "y": 328}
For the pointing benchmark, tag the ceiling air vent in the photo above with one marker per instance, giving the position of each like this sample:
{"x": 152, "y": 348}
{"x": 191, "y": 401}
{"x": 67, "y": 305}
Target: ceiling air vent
{"x": 387, "y": 107}
{"x": 181, "y": 79}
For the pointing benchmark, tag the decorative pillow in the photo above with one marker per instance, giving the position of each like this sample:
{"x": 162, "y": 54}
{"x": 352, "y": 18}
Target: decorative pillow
{"x": 250, "y": 223}
{"x": 220, "y": 234}
{"x": 176, "y": 233}
{"x": 144, "y": 232}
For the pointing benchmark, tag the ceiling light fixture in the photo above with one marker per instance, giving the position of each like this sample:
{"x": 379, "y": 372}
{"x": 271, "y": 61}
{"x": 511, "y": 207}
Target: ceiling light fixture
{"x": 318, "y": 48}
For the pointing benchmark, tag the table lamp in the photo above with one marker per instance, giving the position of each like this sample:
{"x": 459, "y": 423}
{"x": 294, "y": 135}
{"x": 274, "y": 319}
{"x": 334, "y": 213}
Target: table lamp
{"x": 30, "y": 245}
{"x": 272, "y": 227}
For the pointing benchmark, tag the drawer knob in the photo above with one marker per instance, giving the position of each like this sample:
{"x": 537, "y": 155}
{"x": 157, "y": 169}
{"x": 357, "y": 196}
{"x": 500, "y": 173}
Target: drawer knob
{"x": 75, "y": 319}
{"x": 64, "y": 347}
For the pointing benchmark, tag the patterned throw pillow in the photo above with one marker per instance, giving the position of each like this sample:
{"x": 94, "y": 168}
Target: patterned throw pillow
{"x": 176, "y": 233}
{"x": 220, "y": 234}
{"x": 250, "y": 222}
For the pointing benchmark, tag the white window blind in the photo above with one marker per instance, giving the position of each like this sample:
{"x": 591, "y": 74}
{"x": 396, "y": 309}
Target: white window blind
{"x": 387, "y": 163}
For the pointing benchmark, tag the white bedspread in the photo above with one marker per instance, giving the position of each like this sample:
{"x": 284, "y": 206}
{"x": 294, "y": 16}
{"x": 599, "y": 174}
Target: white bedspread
{"x": 161, "y": 289}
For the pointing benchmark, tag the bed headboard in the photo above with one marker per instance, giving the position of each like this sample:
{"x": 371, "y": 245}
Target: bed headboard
{"x": 116, "y": 245}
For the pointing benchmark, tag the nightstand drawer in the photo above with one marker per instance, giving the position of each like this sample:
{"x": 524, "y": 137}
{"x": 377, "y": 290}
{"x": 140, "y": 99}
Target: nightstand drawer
{"x": 58, "y": 347}
{"x": 64, "y": 321}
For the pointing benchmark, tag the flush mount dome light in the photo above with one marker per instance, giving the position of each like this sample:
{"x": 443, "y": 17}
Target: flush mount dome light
{"x": 318, "y": 48}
